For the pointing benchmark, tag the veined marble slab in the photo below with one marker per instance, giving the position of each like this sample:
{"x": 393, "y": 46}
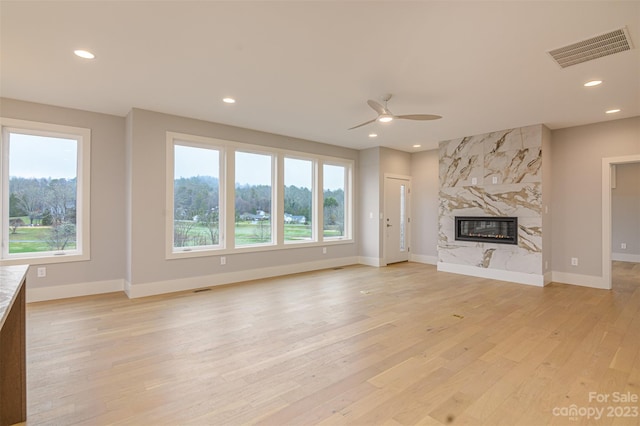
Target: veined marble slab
{"x": 10, "y": 281}
{"x": 523, "y": 165}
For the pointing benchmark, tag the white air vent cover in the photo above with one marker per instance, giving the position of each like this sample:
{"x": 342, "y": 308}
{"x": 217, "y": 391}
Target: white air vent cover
{"x": 593, "y": 48}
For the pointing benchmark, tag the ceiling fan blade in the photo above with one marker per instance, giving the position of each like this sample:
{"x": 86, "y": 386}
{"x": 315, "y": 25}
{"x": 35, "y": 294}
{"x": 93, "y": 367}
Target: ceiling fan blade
{"x": 363, "y": 124}
{"x": 419, "y": 117}
{"x": 377, "y": 107}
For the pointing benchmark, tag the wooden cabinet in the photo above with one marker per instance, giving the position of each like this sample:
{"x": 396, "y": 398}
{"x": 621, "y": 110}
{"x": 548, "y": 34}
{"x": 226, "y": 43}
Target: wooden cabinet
{"x": 13, "y": 371}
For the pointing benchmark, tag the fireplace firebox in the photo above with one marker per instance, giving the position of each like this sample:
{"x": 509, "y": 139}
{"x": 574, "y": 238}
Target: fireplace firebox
{"x": 501, "y": 230}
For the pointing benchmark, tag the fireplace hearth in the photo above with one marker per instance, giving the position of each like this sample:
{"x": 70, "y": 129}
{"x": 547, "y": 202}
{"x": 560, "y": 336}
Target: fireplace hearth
{"x": 500, "y": 230}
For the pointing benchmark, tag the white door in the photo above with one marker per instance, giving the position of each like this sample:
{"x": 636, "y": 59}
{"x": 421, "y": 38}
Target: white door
{"x": 396, "y": 221}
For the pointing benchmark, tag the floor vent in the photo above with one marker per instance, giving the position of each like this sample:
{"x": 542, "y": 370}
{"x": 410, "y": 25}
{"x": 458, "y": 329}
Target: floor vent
{"x": 592, "y": 48}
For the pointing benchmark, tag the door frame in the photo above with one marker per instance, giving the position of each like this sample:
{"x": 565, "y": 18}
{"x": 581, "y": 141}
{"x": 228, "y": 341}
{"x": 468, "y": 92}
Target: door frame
{"x": 384, "y": 214}
{"x": 607, "y": 166}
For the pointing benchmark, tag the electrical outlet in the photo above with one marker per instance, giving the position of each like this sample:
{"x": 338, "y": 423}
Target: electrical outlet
{"x": 42, "y": 272}
{"x": 574, "y": 261}
{"x": 474, "y": 181}
{"x": 494, "y": 180}
{"x": 223, "y": 260}
{"x": 324, "y": 250}
{"x": 623, "y": 246}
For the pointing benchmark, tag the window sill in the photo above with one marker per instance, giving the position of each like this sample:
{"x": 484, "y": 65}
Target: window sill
{"x": 255, "y": 249}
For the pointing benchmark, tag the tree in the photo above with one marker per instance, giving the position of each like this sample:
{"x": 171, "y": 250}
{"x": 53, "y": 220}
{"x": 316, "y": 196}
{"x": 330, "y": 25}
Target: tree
{"x": 61, "y": 234}
{"x": 330, "y": 205}
{"x": 61, "y": 197}
{"x": 29, "y": 195}
{"x": 14, "y": 224}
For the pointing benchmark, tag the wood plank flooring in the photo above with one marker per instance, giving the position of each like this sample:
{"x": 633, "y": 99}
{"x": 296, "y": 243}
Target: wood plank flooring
{"x": 401, "y": 345}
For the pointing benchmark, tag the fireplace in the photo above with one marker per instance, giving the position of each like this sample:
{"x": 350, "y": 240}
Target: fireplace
{"x": 501, "y": 230}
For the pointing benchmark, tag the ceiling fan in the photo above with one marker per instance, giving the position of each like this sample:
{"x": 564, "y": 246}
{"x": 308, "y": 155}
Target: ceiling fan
{"x": 385, "y": 116}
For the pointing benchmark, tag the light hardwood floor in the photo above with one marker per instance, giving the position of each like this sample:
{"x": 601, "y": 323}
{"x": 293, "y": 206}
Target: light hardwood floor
{"x": 359, "y": 345}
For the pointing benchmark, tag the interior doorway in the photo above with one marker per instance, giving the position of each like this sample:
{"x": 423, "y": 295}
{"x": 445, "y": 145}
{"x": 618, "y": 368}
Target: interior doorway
{"x": 397, "y": 192}
{"x": 608, "y": 178}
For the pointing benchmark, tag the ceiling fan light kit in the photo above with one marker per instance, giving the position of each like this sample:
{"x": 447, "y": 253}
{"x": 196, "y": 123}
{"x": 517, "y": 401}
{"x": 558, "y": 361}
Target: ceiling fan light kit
{"x": 386, "y": 116}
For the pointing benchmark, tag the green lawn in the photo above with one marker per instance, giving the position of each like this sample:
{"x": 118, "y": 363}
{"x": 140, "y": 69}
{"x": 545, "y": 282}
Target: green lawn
{"x": 249, "y": 233}
{"x": 29, "y": 239}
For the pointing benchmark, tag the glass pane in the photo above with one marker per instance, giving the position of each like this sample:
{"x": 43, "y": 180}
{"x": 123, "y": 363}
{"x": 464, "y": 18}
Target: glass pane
{"x": 42, "y": 193}
{"x": 253, "y": 199}
{"x": 298, "y": 196}
{"x": 334, "y": 200}
{"x": 402, "y": 216}
{"x": 196, "y": 197}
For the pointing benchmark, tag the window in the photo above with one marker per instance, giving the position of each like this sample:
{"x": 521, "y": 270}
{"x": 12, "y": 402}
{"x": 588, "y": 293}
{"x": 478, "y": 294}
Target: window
{"x": 335, "y": 202}
{"x": 45, "y": 192}
{"x": 225, "y": 196}
{"x": 196, "y": 197}
{"x": 254, "y": 174}
{"x": 298, "y": 200}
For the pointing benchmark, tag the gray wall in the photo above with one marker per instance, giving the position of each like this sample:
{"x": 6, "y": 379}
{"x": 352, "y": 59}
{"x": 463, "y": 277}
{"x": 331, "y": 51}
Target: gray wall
{"x": 147, "y": 162}
{"x": 625, "y": 212}
{"x": 576, "y": 199}
{"x": 424, "y": 205}
{"x": 373, "y": 164}
{"x": 369, "y": 200}
{"x": 547, "y": 223}
{"x": 107, "y": 186}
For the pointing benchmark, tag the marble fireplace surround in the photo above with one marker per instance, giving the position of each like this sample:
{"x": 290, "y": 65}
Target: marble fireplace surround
{"x": 493, "y": 175}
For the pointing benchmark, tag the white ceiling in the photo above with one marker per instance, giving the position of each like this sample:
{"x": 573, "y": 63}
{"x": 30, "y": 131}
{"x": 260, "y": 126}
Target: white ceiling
{"x": 306, "y": 68}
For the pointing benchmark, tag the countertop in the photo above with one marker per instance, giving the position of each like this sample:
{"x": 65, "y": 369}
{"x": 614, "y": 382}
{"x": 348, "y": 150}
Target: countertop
{"x": 11, "y": 278}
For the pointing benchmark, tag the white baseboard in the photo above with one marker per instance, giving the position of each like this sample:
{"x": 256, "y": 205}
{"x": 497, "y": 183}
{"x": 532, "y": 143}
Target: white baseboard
{"x": 421, "y": 258}
{"x": 371, "y": 261}
{"x": 494, "y": 274}
{"x": 192, "y": 283}
{"x": 578, "y": 279}
{"x": 39, "y": 294}
{"x": 626, "y": 257}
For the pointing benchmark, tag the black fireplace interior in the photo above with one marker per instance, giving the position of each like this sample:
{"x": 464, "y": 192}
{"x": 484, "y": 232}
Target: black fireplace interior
{"x": 502, "y": 230}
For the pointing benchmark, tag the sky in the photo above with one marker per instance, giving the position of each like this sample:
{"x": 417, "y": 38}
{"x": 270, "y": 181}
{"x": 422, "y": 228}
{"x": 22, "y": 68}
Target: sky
{"x": 48, "y": 157}
{"x": 251, "y": 168}
{"x": 42, "y": 157}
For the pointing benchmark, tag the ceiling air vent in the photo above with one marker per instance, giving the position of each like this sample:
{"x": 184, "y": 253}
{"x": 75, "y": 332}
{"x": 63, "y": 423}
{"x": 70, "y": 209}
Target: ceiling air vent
{"x": 592, "y": 48}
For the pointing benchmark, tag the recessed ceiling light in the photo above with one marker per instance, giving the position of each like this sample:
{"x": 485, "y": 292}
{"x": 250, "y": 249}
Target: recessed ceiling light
{"x": 373, "y": 135}
{"x": 229, "y": 101}
{"x": 593, "y": 83}
{"x": 417, "y": 146}
{"x": 85, "y": 54}
{"x": 612, "y": 111}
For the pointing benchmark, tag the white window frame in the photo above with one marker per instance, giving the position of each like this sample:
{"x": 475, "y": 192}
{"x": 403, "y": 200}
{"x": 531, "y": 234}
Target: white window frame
{"x": 348, "y": 199}
{"x": 83, "y": 184}
{"x": 314, "y": 198}
{"x": 174, "y": 139}
{"x": 227, "y": 197}
{"x": 275, "y": 211}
